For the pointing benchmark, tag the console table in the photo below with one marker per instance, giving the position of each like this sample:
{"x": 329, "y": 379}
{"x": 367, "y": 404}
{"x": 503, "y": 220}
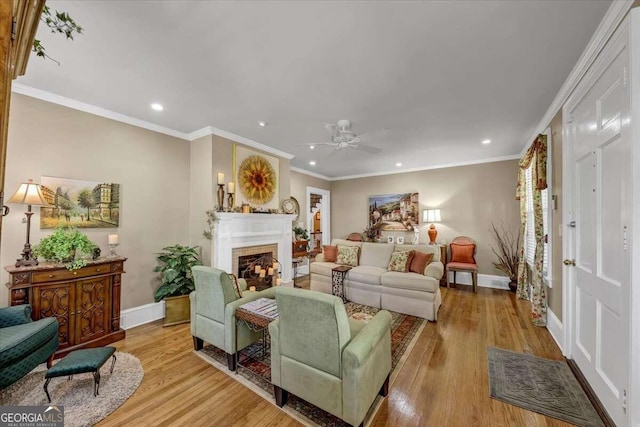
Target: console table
{"x": 85, "y": 301}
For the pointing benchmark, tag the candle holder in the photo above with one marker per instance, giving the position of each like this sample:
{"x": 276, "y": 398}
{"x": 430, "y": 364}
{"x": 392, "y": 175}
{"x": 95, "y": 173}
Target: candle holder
{"x": 112, "y": 250}
{"x": 230, "y": 200}
{"x": 263, "y": 273}
{"x": 220, "y": 197}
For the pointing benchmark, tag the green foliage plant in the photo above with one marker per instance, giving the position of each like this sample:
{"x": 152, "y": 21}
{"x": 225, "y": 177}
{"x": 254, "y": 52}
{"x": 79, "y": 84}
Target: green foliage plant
{"x": 175, "y": 271}
{"x": 66, "y": 245}
{"x": 300, "y": 233}
{"x": 58, "y": 22}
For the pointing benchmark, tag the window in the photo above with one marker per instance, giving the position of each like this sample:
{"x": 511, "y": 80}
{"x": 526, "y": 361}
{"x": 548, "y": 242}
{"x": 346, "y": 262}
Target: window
{"x": 529, "y": 235}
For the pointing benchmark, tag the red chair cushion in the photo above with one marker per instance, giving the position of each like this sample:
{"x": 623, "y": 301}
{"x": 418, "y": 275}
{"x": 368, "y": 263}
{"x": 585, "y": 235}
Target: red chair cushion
{"x": 419, "y": 262}
{"x": 462, "y": 265}
{"x": 463, "y": 253}
{"x": 330, "y": 253}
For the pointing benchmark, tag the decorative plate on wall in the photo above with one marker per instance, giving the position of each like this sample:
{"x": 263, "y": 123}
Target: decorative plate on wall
{"x": 257, "y": 180}
{"x": 291, "y": 206}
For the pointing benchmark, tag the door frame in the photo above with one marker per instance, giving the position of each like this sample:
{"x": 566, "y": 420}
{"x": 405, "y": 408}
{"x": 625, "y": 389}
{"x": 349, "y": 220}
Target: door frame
{"x": 325, "y": 213}
{"x": 628, "y": 30}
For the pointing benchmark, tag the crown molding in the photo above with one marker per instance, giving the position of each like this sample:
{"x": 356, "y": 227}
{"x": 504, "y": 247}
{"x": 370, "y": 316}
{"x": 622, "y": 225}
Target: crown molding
{"x": 210, "y": 130}
{"x": 313, "y": 174}
{"x": 92, "y": 109}
{"x": 446, "y": 165}
{"x": 610, "y": 22}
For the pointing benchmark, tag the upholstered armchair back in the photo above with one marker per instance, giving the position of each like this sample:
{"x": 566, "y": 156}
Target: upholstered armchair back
{"x": 215, "y": 289}
{"x": 314, "y": 329}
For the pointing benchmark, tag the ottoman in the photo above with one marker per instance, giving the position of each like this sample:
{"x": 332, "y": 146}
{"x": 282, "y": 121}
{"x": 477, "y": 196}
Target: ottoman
{"x": 79, "y": 362}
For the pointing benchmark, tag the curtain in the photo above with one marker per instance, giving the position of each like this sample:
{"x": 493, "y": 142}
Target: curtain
{"x": 536, "y": 157}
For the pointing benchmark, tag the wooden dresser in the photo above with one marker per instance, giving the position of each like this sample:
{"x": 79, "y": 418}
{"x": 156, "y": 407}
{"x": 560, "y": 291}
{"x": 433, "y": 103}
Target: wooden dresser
{"x": 86, "y": 301}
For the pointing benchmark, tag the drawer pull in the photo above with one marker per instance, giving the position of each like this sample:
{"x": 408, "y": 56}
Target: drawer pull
{"x": 97, "y": 270}
{"x": 75, "y": 273}
{"x": 51, "y": 276}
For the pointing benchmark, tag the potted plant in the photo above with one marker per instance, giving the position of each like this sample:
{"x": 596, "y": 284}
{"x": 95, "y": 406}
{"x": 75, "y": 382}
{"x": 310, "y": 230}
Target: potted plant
{"x": 66, "y": 245}
{"x": 300, "y": 233}
{"x": 507, "y": 252}
{"x": 177, "y": 281}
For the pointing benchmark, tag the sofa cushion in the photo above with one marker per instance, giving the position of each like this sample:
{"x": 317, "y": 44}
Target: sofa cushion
{"x": 462, "y": 253}
{"x": 376, "y": 254}
{"x": 366, "y": 274}
{"x": 330, "y": 253}
{"x": 18, "y": 341}
{"x": 343, "y": 242}
{"x": 413, "y": 281}
{"x": 348, "y": 255}
{"x": 400, "y": 261}
{"x": 322, "y": 268}
{"x": 425, "y": 249}
{"x": 419, "y": 262}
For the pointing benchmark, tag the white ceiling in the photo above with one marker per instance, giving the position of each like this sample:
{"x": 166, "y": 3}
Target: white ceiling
{"x": 428, "y": 80}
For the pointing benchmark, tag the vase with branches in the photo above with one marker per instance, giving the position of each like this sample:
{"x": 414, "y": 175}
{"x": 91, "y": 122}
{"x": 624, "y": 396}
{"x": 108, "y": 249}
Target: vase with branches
{"x": 506, "y": 250}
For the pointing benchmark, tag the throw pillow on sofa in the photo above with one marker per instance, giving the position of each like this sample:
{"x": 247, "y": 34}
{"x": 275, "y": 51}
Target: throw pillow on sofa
{"x": 419, "y": 262}
{"x": 330, "y": 253}
{"x": 462, "y": 253}
{"x": 400, "y": 261}
{"x": 347, "y": 255}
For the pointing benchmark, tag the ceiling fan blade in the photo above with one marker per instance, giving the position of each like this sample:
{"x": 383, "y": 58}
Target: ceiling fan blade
{"x": 319, "y": 143}
{"x": 367, "y": 148}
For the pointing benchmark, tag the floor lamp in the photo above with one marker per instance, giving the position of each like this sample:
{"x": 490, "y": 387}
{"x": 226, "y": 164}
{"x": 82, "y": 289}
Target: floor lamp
{"x": 28, "y": 194}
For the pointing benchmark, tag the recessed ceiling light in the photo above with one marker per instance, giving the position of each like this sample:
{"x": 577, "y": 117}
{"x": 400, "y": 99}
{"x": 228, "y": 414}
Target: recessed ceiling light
{"x": 312, "y": 162}
{"x": 311, "y": 147}
{"x": 486, "y": 141}
{"x": 262, "y": 123}
{"x": 398, "y": 164}
{"x": 157, "y": 107}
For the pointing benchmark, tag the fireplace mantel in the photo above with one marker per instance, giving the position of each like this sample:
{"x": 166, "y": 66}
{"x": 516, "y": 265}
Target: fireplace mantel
{"x": 238, "y": 230}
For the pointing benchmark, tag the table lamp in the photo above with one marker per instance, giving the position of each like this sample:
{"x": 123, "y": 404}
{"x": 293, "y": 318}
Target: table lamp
{"x": 28, "y": 194}
{"x": 431, "y": 215}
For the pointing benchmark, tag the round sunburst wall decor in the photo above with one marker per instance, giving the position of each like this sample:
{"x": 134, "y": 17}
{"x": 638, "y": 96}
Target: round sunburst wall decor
{"x": 257, "y": 180}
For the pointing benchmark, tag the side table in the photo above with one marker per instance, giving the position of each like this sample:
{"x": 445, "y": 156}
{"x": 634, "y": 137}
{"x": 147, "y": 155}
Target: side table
{"x": 337, "y": 280}
{"x": 256, "y": 315}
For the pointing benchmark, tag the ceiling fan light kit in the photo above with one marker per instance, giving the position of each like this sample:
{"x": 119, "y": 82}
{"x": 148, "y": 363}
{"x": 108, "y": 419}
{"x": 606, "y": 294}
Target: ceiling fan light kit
{"x": 342, "y": 137}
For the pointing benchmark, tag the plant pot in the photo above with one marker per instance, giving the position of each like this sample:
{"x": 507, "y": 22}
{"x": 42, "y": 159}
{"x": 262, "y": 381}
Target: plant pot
{"x": 513, "y": 285}
{"x": 177, "y": 310}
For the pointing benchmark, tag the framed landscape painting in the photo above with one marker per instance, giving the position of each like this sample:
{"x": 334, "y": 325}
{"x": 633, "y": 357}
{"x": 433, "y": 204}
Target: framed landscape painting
{"x": 82, "y": 204}
{"x": 391, "y": 212}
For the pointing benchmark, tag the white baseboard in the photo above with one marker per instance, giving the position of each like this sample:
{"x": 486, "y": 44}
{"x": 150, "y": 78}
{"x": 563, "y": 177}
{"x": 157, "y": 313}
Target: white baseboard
{"x": 136, "y": 316}
{"x": 484, "y": 280}
{"x": 554, "y": 325}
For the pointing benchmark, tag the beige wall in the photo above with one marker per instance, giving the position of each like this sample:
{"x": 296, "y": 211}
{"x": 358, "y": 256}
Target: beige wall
{"x": 555, "y": 293}
{"x": 152, "y": 169}
{"x": 299, "y": 184}
{"x": 470, "y": 198}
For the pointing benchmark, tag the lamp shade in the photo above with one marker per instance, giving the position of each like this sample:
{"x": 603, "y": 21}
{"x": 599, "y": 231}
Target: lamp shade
{"x": 28, "y": 194}
{"x": 431, "y": 215}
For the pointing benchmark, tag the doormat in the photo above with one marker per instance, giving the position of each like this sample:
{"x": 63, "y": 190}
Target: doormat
{"x": 255, "y": 369}
{"x": 540, "y": 385}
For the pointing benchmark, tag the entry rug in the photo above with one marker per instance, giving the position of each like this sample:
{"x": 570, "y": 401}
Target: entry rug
{"x": 81, "y": 407}
{"x": 255, "y": 371}
{"x": 540, "y": 385}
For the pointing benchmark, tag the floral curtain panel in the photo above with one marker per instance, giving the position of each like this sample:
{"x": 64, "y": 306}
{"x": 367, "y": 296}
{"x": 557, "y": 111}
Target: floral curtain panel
{"x": 536, "y": 157}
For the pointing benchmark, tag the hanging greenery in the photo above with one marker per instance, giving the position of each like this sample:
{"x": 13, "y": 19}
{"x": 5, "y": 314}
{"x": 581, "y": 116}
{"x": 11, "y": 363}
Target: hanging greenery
{"x": 58, "y": 22}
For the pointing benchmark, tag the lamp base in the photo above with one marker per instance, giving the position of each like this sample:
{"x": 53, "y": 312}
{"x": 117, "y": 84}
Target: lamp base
{"x": 27, "y": 258}
{"x": 433, "y": 233}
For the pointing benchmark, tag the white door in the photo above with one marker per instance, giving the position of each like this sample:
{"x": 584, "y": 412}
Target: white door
{"x": 598, "y": 156}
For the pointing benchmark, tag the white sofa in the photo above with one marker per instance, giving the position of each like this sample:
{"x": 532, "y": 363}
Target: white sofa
{"x": 371, "y": 284}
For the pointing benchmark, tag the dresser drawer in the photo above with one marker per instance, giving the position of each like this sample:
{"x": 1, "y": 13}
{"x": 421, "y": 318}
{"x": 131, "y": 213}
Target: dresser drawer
{"x": 57, "y": 275}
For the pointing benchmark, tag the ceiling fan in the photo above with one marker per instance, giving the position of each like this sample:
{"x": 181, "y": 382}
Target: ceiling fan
{"x": 342, "y": 138}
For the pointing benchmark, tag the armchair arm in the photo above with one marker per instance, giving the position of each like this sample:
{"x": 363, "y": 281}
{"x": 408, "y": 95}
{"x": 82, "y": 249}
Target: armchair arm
{"x": 242, "y": 284}
{"x": 15, "y": 315}
{"x": 434, "y": 269}
{"x": 366, "y": 363}
{"x": 274, "y": 331}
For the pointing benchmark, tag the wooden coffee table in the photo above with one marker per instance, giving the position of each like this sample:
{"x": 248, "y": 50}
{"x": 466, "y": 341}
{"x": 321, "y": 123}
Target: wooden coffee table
{"x": 256, "y": 315}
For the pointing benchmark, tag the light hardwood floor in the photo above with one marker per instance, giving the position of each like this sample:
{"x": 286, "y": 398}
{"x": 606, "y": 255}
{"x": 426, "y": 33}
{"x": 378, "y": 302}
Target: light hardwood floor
{"x": 444, "y": 382}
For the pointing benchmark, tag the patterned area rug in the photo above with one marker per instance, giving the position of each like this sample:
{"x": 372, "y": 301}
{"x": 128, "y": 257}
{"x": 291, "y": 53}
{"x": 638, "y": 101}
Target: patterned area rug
{"x": 540, "y": 385}
{"x": 81, "y": 408}
{"x": 255, "y": 370}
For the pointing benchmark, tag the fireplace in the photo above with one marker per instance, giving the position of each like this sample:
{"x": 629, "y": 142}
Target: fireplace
{"x": 236, "y": 235}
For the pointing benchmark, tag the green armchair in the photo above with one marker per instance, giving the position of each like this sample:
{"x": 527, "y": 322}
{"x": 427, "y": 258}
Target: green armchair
{"x": 213, "y": 309}
{"x": 320, "y": 355}
{"x": 24, "y": 344}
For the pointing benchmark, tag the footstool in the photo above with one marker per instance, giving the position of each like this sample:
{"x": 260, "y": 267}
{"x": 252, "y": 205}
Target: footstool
{"x": 79, "y": 362}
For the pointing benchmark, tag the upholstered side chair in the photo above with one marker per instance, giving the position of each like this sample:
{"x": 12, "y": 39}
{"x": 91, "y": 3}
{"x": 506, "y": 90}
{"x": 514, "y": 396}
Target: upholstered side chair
{"x": 320, "y": 355}
{"x": 463, "y": 259}
{"x": 213, "y": 308}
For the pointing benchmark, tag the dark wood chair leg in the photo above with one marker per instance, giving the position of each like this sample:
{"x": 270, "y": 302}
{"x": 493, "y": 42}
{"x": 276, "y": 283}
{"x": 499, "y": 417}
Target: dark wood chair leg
{"x": 50, "y": 361}
{"x": 281, "y": 396}
{"x": 198, "y": 343}
{"x": 231, "y": 361}
{"x": 455, "y": 284}
{"x": 384, "y": 390}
